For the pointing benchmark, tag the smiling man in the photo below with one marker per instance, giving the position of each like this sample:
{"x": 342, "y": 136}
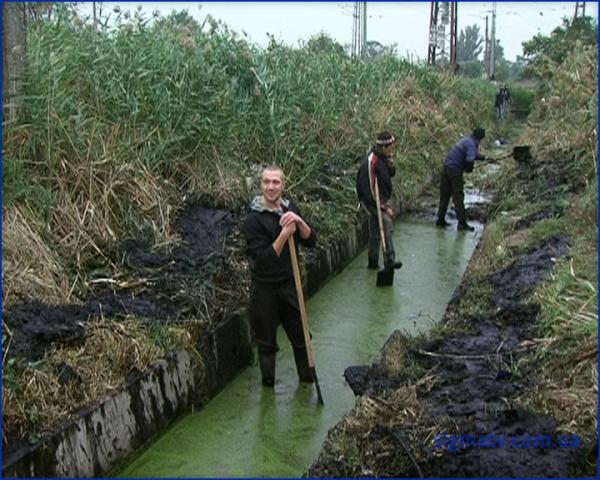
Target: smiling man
{"x": 271, "y": 221}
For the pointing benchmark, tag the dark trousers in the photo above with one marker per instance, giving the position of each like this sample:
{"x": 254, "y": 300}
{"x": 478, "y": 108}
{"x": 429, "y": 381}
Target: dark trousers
{"x": 375, "y": 237}
{"x": 271, "y": 305}
{"x": 452, "y": 185}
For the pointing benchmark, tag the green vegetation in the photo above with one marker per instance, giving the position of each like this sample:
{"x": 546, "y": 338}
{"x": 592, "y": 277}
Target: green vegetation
{"x": 543, "y": 51}
{"x": 124, "y": 125}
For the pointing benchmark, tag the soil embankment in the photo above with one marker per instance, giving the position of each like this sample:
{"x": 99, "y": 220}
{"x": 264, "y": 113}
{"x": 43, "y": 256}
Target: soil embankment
{"x": 450, "y": 405}
{"x": 153, "y": 287}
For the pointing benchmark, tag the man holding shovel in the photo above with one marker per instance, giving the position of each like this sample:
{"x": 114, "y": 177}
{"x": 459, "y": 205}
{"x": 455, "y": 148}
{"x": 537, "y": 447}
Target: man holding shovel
{"x": 375, "y": 173}
{"x": 270, "y": 223}
{"x": 459, "y": 160}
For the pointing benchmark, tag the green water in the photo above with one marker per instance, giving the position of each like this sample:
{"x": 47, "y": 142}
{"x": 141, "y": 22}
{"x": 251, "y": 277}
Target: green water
{"x": 251, "y": 431}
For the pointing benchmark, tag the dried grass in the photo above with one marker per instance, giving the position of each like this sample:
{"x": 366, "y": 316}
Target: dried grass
{"x": 33, "y": 398}
{"x": 31, "y": 268}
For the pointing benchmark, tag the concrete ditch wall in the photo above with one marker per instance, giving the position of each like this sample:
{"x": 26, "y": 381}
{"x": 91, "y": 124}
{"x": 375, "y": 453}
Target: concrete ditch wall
{"x": 102, "y": 436}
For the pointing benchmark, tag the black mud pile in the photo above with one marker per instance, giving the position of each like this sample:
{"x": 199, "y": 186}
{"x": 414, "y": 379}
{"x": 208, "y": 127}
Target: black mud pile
{"x": 157, "y": 285}
{"x": 473, "y": 387}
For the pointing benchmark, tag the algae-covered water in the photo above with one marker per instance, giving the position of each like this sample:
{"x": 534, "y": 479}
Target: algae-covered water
{"x": 252, "y": 431}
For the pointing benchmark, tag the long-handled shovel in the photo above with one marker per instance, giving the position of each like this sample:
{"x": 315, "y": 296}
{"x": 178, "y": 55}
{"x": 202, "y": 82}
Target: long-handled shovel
{"x": 304, "y": 316}
{"x": 385, "y": 277}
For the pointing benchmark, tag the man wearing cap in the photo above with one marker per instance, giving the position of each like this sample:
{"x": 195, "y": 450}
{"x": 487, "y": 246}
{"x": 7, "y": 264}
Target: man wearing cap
{"x": 459, "y": 160}
{"x": 379, "y": 167}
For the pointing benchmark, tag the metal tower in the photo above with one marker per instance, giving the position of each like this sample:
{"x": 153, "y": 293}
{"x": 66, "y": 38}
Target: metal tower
{"x": 441, "y": 16}
{"x": 359, "y": 29}
{"x": 432, "y": 33}
{"x": 453, "y": 35}
{"x": 579, "y": 10}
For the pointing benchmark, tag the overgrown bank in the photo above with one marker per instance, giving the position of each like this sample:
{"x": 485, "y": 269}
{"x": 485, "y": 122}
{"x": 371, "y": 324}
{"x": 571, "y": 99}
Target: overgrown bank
{"x": 128, "y": 170}
{"x": 517, "y": 352}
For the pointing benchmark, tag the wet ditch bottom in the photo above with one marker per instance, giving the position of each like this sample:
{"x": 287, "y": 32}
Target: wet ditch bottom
{"x": 251, "y": 431}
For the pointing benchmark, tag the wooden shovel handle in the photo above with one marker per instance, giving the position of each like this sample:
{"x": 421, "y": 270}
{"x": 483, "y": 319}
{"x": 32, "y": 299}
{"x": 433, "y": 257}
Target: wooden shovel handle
{"x": 303, "y": 315}
{"x": 380, "y": 218}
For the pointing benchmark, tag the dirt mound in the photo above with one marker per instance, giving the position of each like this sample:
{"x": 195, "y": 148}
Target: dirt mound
{"x": 520, "y": 278}
{"x": 550, "y": 212}
{"x": 362, "y": 379}
{"x": 34, "y": 326}
{"x": 164, "y": 273}
{"x": 203, "y": 233}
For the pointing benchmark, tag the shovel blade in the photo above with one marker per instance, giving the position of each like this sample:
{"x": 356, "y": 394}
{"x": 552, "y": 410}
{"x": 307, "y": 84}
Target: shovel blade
{"x": 385, "y": 277}
{"x": 522, "y": 153}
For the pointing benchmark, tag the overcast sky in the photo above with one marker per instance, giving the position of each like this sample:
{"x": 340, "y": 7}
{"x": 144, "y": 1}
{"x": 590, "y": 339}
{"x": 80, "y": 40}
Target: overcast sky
{"x": 403, "y": 23}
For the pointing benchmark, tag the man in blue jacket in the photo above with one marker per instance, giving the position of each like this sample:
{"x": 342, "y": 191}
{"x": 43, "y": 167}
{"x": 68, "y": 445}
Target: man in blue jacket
{"x": 459, "y": 160}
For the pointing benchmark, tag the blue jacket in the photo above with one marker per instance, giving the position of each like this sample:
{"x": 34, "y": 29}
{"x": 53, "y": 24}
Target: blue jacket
{"x": 463, "y": 155}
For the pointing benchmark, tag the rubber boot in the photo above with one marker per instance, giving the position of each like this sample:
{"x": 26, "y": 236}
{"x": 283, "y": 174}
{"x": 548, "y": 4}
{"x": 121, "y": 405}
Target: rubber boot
{"x": 267, "y": 369}
{"x": 304, "y": 372}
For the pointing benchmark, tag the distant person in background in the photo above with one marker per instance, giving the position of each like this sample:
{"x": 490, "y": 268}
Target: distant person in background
{"x": 498, "y": 103}
{"x": 379, "y": 166}
{"x": 271, "y": 221}
{"x": 505, "y": 98}
{"x": 459, "y": 160}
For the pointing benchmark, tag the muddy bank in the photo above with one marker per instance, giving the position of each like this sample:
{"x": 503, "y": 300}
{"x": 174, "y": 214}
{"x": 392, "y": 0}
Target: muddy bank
{"x": 155, "y": 284}
{"x": 162, "y": 285}
{"x": 470, "y": 389}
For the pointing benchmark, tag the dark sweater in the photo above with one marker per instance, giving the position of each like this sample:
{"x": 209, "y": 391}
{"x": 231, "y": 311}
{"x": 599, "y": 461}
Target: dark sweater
{"x": 365, "y": 186}
{"x": 261, "y": 229}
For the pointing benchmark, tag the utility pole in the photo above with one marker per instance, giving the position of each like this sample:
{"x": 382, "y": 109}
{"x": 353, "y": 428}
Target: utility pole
{"x": 359, "y": 29}
{"x": 486, "y": 52}
{"x": 432, "y": 33}
{"x": 364, "y": 30}
{"x": 453, "y": 36}
{"x": 493, "y": 44}
{"x": 579, "y": 10}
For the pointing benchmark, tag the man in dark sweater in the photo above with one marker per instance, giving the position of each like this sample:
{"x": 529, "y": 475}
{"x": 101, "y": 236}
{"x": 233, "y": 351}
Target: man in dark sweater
{"x": 460, "y": 159}
{"x": 379, "y": 166}
{"x": 271, "y": 221}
